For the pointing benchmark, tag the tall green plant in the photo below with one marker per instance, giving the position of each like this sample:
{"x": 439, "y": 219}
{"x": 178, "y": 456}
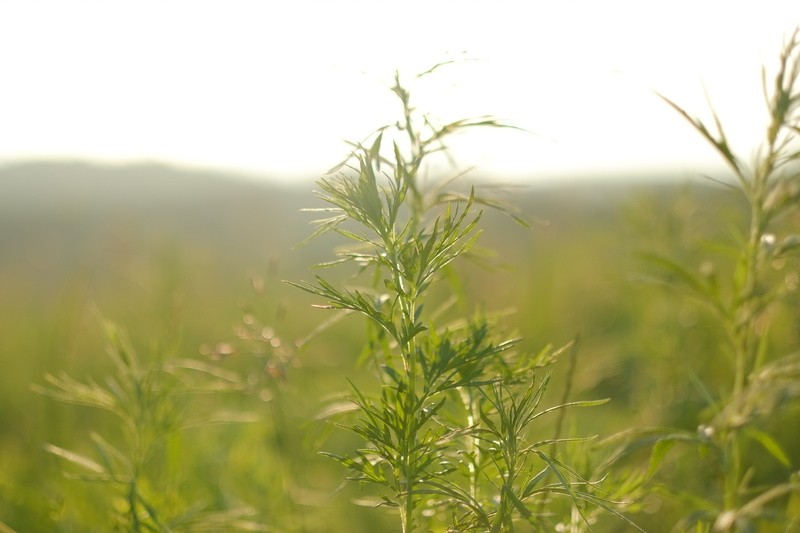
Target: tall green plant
{"x": 449, "y": 435}
{"x": 748, "y": 300}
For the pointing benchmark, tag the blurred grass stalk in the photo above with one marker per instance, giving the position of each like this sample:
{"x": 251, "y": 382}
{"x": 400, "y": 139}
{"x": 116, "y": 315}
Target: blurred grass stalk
{"x": 763, "y": 378}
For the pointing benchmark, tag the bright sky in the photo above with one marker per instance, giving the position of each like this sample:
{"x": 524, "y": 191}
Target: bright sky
{"x": 274, "y": 87}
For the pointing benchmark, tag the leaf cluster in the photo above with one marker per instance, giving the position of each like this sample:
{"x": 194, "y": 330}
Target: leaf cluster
{"x": 447, "y": 437}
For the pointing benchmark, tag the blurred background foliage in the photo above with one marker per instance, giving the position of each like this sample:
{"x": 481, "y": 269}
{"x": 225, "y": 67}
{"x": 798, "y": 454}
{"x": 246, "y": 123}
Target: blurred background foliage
{"x": 190, "y": 265}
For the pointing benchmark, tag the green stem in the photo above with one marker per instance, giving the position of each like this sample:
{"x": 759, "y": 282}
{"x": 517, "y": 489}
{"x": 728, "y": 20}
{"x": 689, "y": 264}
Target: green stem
{"x": 410, "y": 435}
{"x": 504, "y": 520}
{"x": 745, "y": 315}
{"x": 135, "y": 524}
{"x": 733, "y": 476}
{"x": 407, "y": 296}
{"x": 281, "y": 429}
{"x": 473, "y": 451}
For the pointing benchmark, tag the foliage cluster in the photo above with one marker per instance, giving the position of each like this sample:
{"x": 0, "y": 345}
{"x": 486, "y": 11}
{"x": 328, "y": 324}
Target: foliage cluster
{"x": 449, "y": 424}
{"x": 449, "y": 436}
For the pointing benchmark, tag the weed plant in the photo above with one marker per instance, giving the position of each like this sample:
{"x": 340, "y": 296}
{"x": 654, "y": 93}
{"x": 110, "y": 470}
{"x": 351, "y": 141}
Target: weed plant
{"x": 150, "y": 400}
{"x": 749, "y": 291}
{"x": 450, "y": 431}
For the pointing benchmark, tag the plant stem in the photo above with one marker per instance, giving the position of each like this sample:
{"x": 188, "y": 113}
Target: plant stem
{"x": 473, "y": 451}
{"x": 746, "y": 310}
{"x": 135, "y": 524}
{"x": 410, "y": 428}
{"x": 406, "y": 298}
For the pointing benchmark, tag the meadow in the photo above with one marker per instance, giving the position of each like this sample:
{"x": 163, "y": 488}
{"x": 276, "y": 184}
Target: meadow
{"x": 625, "y": 362}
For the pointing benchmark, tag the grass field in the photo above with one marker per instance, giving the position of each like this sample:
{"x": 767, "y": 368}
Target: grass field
{"x": 189, "y": 276}
{"x": 627, "y": 362}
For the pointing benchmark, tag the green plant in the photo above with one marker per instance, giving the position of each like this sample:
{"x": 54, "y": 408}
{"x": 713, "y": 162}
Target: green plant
{"x": 450, "y": 431}
{"x": 150, "y": 402}
{"x": 750, "y": 298}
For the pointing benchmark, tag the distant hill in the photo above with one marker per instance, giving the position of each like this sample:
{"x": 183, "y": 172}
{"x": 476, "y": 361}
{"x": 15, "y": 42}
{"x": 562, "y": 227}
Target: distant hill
{"x": 43, "y": 186}
{"x": 75, "y": 213}
{"x": 74, "y": 201}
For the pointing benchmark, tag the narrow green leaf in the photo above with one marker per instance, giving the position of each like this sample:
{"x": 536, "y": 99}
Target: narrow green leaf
{"x": 521, "y": 507}
{"x": 76, "y": 458}
{"x": 375, "y": 151}
{"x": 581, "y": 403}
{"x": 530, "y": 487}
{"x": 657, "y": 455}
{"x": 392, "y": 373}
{"x": 769, "y": 444}
{"x": 5, "y": 529}
{"x": 720, "y": 144}
{"x": 562, "y": 480}
{"x": 109, "y": 454}
{"x": 356, "y": 237}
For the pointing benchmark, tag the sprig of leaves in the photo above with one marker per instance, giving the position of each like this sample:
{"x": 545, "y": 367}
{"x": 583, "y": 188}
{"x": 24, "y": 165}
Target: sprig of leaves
{"x": 447, "y": 436}
{"x": 763, "y": 381}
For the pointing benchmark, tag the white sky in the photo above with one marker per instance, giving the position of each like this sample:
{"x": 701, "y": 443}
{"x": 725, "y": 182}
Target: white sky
{"x": 273, "y": 88}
